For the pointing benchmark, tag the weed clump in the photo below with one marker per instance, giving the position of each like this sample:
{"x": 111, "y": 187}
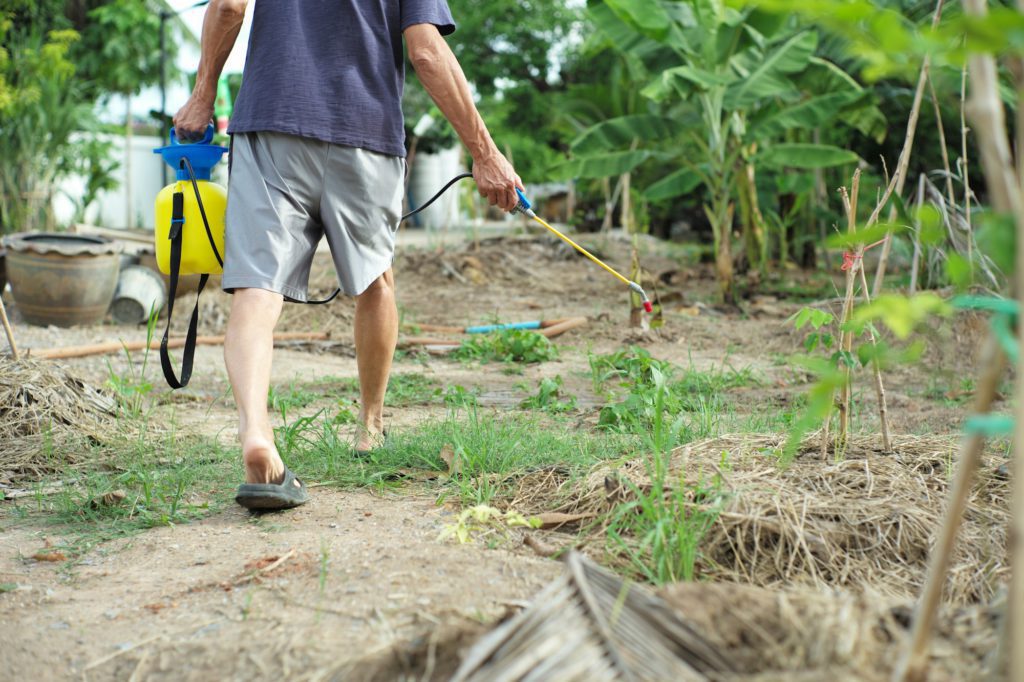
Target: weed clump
{"x": 507, "y": 345}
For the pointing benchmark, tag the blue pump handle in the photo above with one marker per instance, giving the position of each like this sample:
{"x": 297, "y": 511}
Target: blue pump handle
{"x": 207, "y": 137}
{"x": 524, "y": 203}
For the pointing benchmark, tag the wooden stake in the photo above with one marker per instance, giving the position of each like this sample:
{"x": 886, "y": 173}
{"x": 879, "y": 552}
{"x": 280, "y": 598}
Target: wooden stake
{"x": 7, "y": 329}
{"x": 914, "y": 665}
{"x": 964, "y": 168}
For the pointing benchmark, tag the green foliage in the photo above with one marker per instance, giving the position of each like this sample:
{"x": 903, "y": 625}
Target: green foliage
{"x": 659, "y": 529}
{"x": 120, "y": 51}
{"x": 901, "y": 314}
{"x": 506, "y": 345}
{"x": 43, "y": 108}
{"x": 656, "y": 390}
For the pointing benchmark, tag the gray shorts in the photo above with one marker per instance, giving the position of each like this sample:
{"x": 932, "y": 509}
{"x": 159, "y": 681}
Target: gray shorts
{"x": 287, "y": 192}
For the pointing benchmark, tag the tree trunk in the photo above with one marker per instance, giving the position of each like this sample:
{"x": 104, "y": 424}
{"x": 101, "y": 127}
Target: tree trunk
{"x": 751, "y": 217}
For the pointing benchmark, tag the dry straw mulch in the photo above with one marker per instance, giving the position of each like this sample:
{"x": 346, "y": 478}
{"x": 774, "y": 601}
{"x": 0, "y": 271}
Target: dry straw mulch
{"x": 809, "y": 634}
{"x": 867, "y": 519}
{"x": 47, "y": 416}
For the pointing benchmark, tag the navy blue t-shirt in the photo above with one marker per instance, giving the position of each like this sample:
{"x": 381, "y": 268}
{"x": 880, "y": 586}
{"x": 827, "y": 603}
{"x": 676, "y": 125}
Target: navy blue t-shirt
{"x": 331, "y": 70}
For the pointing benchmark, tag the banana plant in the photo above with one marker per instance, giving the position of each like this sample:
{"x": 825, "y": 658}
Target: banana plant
{"x": 730, "y": 91}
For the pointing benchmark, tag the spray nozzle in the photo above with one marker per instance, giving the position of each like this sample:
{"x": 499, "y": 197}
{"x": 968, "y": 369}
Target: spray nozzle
{"x": 648, "y": 306}
{"x": 202, "y": 155}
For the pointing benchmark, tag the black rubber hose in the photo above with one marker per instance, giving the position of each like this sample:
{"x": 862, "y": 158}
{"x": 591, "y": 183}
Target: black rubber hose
{"x": 202, "y": 211}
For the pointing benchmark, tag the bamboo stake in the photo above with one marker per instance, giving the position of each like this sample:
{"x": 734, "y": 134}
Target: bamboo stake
{"x": 942, "y": 142}
{"x": 914, "y": 665}
{"x": 964, "y": 168}
{"x": 7, "y": 329}
{"x": 915, "y": 263}
{"x": 904, "y": 160}
{"x": 883, "y": 410}
{"x": 118, "y": 346}
{"x": 845, "y": 336}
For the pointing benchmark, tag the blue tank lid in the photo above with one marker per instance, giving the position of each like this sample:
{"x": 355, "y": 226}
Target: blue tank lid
{"x": 202, "y": 155}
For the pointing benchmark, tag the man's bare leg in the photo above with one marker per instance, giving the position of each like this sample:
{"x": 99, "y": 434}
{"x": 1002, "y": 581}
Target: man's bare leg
{"x": 248, "y": 350}
{"x": 376, "y": 331}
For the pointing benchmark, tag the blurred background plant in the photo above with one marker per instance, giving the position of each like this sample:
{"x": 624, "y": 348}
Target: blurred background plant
{"x": 57, "y": 62}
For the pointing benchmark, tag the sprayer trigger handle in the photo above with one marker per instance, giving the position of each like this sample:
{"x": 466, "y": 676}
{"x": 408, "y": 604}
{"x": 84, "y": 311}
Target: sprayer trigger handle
{"x": 206, "y": 139}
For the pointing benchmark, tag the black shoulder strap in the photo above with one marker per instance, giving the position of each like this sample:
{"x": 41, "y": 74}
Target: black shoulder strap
{"x": 177, "y": 223}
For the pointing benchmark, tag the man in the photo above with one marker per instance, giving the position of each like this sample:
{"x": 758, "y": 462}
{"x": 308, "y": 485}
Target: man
{"x": 317, "y": 149}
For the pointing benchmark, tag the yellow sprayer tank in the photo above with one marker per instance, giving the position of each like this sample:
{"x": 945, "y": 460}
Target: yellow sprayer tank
{"x": 202, "y": 241}
{"x": 197, "y": 257}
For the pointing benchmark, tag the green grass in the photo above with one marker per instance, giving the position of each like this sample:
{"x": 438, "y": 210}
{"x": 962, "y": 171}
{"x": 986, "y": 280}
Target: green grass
{"x": 164, "y": 481}
{"x": 490, "y": 449}
{"x": 658, "y": 529}
{"x": 404, "y": 389}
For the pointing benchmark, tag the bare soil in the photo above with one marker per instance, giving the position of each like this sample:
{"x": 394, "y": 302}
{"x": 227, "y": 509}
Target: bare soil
{"x": 363, "y": 574}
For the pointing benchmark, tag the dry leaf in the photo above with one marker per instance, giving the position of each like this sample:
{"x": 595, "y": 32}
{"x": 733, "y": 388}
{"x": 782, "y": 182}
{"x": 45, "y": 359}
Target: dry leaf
{"x": 49, "y": 556}
{"x": 451, "y": 460}
{"x": 418, "y": 475}
{"x": 110, "y": 499}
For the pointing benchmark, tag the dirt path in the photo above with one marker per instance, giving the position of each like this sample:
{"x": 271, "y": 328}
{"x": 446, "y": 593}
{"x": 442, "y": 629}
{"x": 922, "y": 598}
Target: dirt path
{"x": 362, "y": 573}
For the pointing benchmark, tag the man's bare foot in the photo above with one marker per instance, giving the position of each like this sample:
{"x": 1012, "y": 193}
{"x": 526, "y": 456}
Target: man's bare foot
{"x": 369, "y": 436}
{"x": 262, "y": 463}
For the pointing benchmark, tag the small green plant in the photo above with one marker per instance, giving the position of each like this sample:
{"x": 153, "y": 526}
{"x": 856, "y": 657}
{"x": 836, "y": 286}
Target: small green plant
{"x": 550, "y": 397}
{"x": 659, "y": 529}
{"x": 132, "y": 387}
{"x": 482, "y": 521}
{"x": 506, "y": 345}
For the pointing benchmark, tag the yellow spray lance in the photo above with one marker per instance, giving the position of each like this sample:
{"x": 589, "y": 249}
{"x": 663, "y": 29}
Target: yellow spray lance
{"x": 526, "y": 208}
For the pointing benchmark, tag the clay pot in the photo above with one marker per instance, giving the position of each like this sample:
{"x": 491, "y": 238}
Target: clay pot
{"x": 62, "y": 279}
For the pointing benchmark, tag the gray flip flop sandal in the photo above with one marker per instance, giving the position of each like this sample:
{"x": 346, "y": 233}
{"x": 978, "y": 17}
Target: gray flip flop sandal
{"x": 270, "y": 496}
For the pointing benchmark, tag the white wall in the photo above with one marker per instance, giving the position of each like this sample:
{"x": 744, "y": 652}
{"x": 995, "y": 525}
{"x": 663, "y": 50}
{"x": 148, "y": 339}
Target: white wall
{"x": 109, "y": 209}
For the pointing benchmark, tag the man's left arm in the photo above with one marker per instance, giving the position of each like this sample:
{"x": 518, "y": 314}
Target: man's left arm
{"x": 445, "y": 82}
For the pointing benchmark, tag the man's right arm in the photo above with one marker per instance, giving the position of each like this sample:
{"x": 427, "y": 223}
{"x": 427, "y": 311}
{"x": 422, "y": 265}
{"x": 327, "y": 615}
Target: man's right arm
{"x": 221, "y": 25}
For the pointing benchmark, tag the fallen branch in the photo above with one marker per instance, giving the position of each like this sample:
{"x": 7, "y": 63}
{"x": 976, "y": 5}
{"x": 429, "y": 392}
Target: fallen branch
{"x": 118, "y": 346}
{"x": 266, "y": 569}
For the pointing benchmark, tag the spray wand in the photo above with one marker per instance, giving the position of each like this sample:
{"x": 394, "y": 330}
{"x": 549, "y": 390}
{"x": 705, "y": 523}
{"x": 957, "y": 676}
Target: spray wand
{"x": 526, "y": 208}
